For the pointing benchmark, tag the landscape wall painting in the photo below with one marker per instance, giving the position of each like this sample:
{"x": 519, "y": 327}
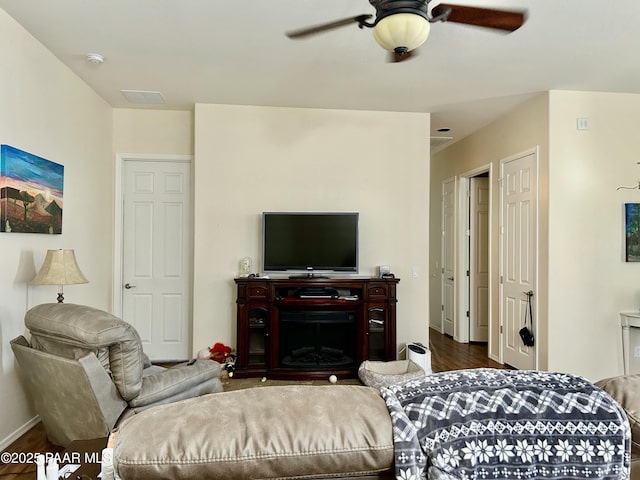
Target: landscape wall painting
{"x": 632, "y": 231}
{"x": 30, "y": 193}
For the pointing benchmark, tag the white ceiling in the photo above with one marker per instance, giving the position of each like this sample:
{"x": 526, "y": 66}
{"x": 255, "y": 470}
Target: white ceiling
{"x": 235, "y": 52}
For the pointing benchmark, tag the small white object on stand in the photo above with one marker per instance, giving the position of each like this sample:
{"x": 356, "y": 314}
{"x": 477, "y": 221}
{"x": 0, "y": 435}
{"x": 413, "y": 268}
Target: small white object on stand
{"x": 40, "y": 471}
{"x": 52, "y": 469}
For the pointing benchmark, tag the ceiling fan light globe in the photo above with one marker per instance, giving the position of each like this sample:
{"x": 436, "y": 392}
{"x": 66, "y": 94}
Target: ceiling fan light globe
{"x": 401, "y": 30}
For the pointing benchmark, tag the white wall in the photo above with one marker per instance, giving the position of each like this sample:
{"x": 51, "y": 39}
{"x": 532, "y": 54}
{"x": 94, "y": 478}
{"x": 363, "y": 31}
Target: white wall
{"x": 48, "y": 111}
{"x": 522, "y": 129}
{"x": 254, "y": 159}
{"x": 589, "y": 282}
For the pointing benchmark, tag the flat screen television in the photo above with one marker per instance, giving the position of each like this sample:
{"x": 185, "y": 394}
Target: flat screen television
{"x": 309, "y": 242}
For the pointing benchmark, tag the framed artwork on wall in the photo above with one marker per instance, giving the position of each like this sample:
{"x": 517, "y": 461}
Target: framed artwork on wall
{"x": 31, "y": 189}
{"x": 632, "y": 232}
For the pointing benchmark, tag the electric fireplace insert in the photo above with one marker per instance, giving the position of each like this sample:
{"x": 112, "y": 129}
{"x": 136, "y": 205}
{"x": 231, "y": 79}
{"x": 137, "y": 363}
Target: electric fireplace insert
{"x": 317, "y": 339}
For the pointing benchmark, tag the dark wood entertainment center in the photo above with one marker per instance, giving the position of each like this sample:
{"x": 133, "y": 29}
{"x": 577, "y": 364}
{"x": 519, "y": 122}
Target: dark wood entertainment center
{"x": 310, "y": 328}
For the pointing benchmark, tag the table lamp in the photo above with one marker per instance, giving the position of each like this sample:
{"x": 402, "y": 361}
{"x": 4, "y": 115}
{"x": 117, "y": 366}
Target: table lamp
{"x": 59, "y": 268}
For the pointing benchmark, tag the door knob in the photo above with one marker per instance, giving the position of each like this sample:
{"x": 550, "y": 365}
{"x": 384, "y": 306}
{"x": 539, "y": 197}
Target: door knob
{"x": 450, "y": 278}
{"x": 128, "y": 286}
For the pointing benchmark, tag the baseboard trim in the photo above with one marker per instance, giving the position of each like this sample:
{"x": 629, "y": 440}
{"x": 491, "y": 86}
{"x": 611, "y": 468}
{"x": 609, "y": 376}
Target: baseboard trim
{"x": 436, "y": 328}
{"x": 5, "y": 442}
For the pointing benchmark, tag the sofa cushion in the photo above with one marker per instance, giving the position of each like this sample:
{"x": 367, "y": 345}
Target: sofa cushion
{"x": 261, "y": 433}
{"x": 72, "y": 331}
{"x": 177, "y": 383}
{"x": 625, "y": 390}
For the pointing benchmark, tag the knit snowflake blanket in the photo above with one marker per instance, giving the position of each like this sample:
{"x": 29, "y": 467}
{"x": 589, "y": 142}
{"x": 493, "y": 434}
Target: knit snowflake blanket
{"x": 509, "y": 424}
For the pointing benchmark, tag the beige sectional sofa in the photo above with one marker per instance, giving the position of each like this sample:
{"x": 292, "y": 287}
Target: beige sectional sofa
{"x": 319, "y": 432}
{"x": 286, "y": 432}
{"x": 626, "y": 391}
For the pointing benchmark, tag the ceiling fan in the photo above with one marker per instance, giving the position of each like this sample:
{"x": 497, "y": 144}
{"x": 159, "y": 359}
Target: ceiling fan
{"x": 401, "y": 26}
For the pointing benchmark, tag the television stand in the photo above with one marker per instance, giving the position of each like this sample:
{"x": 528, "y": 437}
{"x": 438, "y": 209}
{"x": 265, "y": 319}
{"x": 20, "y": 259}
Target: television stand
{"x": 308, "y": 328}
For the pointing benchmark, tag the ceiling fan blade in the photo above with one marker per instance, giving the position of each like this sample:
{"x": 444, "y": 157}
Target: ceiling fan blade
{"x": 481, "y": 17}
{"x": 304, "y": 32}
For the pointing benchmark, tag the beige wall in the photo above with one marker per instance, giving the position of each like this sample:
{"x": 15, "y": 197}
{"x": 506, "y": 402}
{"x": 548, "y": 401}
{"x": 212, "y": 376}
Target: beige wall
{"x": 48, "y": 111}
{"x": 152, "y": 131}
{"x": 525, "y": 128}
{"x": 589, "y": 281}
{"x": 254, "y": 159}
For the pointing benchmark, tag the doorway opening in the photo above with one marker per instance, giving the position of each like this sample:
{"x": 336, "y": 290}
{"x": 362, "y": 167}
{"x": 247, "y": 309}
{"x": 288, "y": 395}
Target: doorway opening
{"x": 473, "y": 245}
{"x": 478, "y": 258}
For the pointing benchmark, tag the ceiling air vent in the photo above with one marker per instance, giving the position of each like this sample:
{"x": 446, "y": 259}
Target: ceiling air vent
{"x": 144, "y": 97}
{"x": 440, "y": 141}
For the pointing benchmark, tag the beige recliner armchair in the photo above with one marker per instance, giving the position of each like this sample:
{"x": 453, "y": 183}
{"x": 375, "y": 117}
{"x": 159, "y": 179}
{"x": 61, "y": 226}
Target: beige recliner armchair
{"x": 85, "y": 370}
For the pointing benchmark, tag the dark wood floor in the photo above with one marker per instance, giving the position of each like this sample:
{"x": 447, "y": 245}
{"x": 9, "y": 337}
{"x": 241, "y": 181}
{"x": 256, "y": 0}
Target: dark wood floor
{"x": 445, "y": 355}
{"x": 34, "y": 441}
{"x": 449, "y": 355}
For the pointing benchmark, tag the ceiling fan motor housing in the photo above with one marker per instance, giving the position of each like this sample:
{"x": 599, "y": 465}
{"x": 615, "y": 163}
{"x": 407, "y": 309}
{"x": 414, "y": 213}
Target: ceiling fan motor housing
{"x": 401, "y": 25}
{"x": 384, "y": 8}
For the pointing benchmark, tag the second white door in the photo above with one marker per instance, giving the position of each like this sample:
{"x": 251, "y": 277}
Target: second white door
{"x": 448, "y": 256}
{"x": 479, "y": 259}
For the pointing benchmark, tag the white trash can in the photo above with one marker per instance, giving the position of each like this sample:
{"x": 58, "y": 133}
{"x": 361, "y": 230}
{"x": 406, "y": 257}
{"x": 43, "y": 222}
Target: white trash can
{"x": 420, "y": 355}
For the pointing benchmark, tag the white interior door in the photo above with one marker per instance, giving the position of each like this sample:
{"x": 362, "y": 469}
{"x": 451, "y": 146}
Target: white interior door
{"x": 156, "y": 251}
{"x": 479, "y": 259}
{"x": 448, "y": 256}
{"x": 519, "y": 257}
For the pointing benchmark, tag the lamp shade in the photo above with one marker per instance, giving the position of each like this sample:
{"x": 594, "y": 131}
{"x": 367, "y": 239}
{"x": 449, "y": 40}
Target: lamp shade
{"x": 405, "y": 31}
{"x": 59, "y": 268}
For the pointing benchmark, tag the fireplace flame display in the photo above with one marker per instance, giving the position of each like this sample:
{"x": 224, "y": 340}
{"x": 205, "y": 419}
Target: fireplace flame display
{"x": 312, "y": 339}
{"x": 311, "y": 357}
